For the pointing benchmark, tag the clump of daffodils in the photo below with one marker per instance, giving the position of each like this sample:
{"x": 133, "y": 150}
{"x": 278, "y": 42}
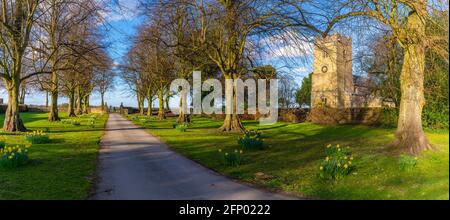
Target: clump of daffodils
{"x": 13, "y": 156}
{"x": 232, "y": 158}
{"x": 338, "y": 163}
{"x": 37, "y": 137}
{"x": 37, "y": 133}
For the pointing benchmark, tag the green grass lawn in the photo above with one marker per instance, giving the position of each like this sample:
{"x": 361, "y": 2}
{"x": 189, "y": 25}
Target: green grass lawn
{"x": 63, "y": 169}
{"x": 296, "y": 150}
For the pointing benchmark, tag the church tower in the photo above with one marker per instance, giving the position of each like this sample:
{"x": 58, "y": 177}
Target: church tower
{"x": 332, "y": 80}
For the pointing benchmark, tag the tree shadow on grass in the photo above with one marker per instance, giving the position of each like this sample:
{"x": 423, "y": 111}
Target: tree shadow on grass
{"x": 57, "y": 140}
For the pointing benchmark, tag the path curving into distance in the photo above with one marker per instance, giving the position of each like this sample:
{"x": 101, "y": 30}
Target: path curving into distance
{"x": 134, "y": 165}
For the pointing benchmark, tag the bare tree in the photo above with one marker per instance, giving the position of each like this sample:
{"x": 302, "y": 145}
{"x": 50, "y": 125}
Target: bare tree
{"x": 16, "y": 22}
{"x": 225, "y": 29}
{"x": 104, "y": 76}
{"x": 407, "y": 21}
{"x": 56, "y": 26}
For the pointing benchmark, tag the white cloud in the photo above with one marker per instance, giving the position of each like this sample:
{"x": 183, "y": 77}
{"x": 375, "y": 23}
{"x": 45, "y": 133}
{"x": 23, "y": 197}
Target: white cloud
{"x": 288, "y": 45}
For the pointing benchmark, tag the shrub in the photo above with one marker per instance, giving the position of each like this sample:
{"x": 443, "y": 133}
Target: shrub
{"x": 37, "y": 137}
{"x": 337, "y": 164}
{"x": 11, "y": 157}
{"x": 233, "y": 159}
{"x": 408, "y": 163}
{"x": 251, "y": 141}
{"x": 182, "y": 127}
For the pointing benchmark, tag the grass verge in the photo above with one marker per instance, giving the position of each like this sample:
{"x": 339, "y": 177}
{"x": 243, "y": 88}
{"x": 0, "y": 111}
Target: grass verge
{"x": 61, "y": 169}
{"x": 294, "y": 152}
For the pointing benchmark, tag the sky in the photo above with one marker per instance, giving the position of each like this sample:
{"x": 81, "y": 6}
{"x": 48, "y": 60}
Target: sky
{"x": 122, "y": 20}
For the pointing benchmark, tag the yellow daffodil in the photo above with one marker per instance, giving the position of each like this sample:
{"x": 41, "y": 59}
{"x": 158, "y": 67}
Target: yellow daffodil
{"x": 327, "y": 159}
{"x": 345, "y": 166}
{"x": 321, "y": 168}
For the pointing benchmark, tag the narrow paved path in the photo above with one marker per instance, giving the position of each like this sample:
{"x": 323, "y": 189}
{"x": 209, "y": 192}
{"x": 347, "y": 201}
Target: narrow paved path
{"x": 134, "y": 165}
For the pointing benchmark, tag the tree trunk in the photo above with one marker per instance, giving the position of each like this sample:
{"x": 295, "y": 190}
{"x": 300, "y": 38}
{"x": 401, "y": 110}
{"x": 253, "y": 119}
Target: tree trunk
{"x": 22, "y": 94}
{"x": 53, "y": 115}
{"x": 410, "y": 136}
{"x": 167, "y": 100}
{"x": 79, "y": 110}
{"x": 232, "y": 121}
{"x": 103, "y": 101}
{"x": 161, "y": 111}
{"x": 149, "y": 109}
{"x": 46, "y": 99}
{"x": 86, "y": 105}
{"x": 140, "y": 100}
{"x": 183, "y": 117}
{"x": 13, "y": 122}
{"x": 71, "y": 110}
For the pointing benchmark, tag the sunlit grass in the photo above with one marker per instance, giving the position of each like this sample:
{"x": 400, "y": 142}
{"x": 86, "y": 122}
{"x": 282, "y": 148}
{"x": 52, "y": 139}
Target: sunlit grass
{"x": 62, "y": 169}
{"x": 295, "y": 151}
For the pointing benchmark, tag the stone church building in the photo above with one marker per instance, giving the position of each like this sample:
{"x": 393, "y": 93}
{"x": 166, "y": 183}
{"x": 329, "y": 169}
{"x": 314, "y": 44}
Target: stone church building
{"x": 337, "y": 96}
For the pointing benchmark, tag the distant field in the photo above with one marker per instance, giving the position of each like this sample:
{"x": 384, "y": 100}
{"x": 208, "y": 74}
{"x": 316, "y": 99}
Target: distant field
{"x": 295, "y": 151}
{"x": 63, "y": 169}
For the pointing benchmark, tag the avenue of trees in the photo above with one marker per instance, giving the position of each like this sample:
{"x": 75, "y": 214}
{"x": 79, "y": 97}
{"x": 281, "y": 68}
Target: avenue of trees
{"x": 51, "y": 46}
{"x": 223, "y": 39}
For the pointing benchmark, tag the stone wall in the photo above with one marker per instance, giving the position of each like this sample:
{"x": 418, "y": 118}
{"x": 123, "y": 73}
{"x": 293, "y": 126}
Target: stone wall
{"x": 284, "y": 115}
{"x": 22, "y": 108}
{"x": 331, "y": 116}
